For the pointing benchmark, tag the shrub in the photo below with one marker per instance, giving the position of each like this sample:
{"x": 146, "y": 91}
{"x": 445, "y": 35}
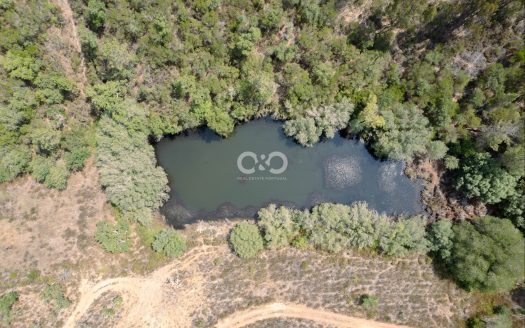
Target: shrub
{"x": 170, "y": 243}
{"x": 280, "y": 226}
{"x": 245, "y": 240}
{"x": 54, "y": 293}
{"x": 368, "y": 302}
{"x": 487, "y": 254}
{"x": 114, "y": 238}
{"x": 7, "y": 301}
{"x": 57, "y": 176}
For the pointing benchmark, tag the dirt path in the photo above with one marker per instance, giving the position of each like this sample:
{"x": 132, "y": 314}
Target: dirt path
{"x": 72, "y": 32}
{"x": 155, "y": 300}
{"x": 144, "y": 301}
{"x": 279, "y": 310}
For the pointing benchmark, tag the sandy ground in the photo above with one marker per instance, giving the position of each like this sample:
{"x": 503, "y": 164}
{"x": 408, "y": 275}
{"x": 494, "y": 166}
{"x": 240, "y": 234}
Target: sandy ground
{"x": 279, "y": 310}
{"x": 147, "y": 301}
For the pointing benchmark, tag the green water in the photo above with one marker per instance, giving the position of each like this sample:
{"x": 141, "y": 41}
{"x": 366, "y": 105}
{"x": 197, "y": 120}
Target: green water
{"x": 207, "y": 182}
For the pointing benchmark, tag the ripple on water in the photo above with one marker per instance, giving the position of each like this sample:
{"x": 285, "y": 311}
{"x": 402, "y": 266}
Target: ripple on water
{"x": 341, "y": 171}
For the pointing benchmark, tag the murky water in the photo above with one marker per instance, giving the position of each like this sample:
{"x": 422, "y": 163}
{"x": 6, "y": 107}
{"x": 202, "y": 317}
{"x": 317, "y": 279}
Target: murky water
{"x": 211, "y": 177}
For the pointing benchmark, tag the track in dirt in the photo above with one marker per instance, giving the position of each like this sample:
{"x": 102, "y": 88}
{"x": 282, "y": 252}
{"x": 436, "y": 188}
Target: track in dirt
{"x": 146, "y": 301}
{"x": 280, "y": 310}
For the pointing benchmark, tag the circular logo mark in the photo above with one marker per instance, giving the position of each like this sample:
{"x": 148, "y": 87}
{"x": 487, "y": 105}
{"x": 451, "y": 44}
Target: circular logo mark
{"x": 262, "y": 162}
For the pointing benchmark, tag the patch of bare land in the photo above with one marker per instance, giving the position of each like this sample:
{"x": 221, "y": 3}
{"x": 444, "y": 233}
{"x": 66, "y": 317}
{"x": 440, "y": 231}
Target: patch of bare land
{"x": 43, "y": 228}
{"x": 209, "y": 286}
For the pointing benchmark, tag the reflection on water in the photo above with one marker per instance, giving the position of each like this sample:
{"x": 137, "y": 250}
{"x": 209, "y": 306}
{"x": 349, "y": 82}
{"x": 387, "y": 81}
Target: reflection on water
{"x": 212, "y": 177}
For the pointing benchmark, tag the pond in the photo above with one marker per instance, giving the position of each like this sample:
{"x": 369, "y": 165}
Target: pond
{"x": 211, "y": 177}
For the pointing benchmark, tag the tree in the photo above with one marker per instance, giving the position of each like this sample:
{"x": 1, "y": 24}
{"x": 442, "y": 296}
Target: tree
{"x": 114, "y": 60}
{"x": 280, "y": 225}
{"x": 337, "y": 227}
{"x": 96, "y": 15}
{"x": 405, "y": 134}
{"x": 487, "y": 254}
{"x": 440, "y": 236}
{"x": 128, "y": 169}
{"x": 481, "y": 177}
{"x": 170, "y": 243}
{"x": 323, "y": 120}
{"x": 245, "y": 240}
{"x": 114, "y": 238}
{"x": 13, "y": 162}
{"x": 304, "y": 130}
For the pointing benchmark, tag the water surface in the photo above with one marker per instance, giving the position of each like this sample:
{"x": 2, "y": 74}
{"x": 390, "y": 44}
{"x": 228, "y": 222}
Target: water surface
{"x": 207, "y": 180}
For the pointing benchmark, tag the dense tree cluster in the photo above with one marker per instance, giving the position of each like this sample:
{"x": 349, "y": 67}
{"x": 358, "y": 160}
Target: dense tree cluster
{"x": 337, "y": 227}
{"x": 392, "y": 78}
{"x": 487, "y": 254}
{"x": 40, "y": 132}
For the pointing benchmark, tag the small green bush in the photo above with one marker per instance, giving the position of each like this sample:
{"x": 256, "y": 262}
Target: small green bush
{"x": 6, "y": 305}
{"x": 54, "y": 293}
{"x": 114, "y": 238}
{"x": 169, "y": 242}
{"x": 246, "y": 240}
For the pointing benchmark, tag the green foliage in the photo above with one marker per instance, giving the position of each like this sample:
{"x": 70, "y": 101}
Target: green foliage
{"x": 487, "y": 254}
{"x": 105, "y": 97}
{"x": 114, "y": 60}
{"x": 513, "y": 207}
{"x": 7, "y": 301}
{"x": 405, "y": 134}
{"x": 22, "y": 64}
{"x": 337, "y": 227}
{"x": 440, "y": 237}
{"x": 114, "y": 238}
{"x": 170, "y": 243}
{"x": 54, "y": 293}
{"x": 245, "y": 240}
{"x": 13, "y": 162}
{"x": 324, "y": 120}
{"x": 57, "y": 176}
{"x": 369, "y": 302}
{"x": 96, "y": 14}
{"x": 130, "y": 156}
{"x": 280, "y": 225}
{"x": 481, "y": 177}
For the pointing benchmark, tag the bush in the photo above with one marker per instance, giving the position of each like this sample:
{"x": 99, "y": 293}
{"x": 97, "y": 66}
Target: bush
{"x": 57, "y": 176}
{"x": 114, "y": 238}
{"x": 280, "y": 226}
{"x": 54, "y": 293}
{"x": 368, "y": 302}
{"x": 487, "y": 254}
{"x": 7, "y": 301}
{"x": 170, "y": 243}
{"x": 245, "y": 240}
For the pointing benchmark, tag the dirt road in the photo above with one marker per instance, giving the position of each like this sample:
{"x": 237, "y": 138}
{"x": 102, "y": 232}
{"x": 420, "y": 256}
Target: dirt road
{"x": 156, "y": 300}
{"x": 279, "y": 310}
